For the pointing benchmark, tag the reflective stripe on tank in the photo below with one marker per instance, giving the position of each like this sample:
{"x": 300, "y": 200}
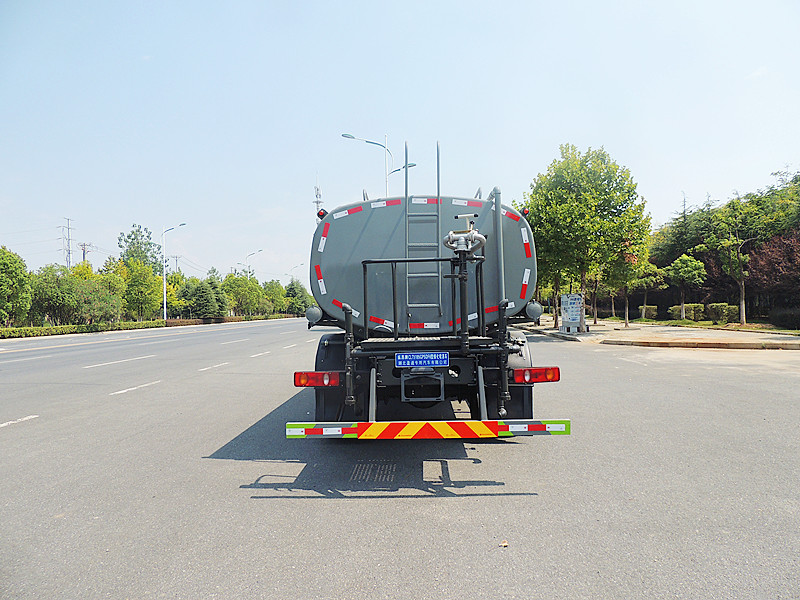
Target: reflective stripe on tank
{"x": 384, "y": 203}
{"x": 525, "y": 279}
{"x": 349, "y": 211}
{"x": 526, "y": 242}
{"x": 324, "y": 237}
{"x": 337, "y": 303}
{"x": 320, "y": 281}
{"x": 474, "y": 203}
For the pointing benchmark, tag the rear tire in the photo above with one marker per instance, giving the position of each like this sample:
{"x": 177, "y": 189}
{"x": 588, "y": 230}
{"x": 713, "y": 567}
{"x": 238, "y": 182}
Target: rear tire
{"x": 330, "y": 357}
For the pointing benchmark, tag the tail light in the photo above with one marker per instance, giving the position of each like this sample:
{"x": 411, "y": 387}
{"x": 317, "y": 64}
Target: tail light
{"x": 537, "y": 375}
{"x": 317, "y": 378}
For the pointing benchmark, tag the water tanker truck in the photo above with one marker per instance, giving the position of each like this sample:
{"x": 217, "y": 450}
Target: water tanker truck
{"x": 423, "y": 288}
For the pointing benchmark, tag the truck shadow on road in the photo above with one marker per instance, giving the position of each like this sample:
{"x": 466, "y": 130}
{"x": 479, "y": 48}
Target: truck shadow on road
{"x": 356, "y": 469}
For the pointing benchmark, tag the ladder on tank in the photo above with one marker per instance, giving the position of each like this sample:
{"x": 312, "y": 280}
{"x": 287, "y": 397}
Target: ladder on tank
{"x": 423, "y": 233}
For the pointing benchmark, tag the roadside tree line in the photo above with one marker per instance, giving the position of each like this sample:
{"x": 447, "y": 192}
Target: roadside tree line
{"x": 592, "y": 233}
{"x": 130, "y": 287}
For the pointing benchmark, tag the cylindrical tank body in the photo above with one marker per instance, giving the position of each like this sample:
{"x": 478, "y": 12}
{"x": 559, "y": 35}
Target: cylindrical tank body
{"x": 396, "y": 228}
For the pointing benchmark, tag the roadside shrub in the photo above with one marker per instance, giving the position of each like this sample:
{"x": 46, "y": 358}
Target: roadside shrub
{"x": 718, "y": 313}
{"x": 698, "y": 312}
{"x": 651, "y": 312}
{"x": 19, "y": 332}
{"x": 733, "y": 313}
{"x": 183, "y": 322}
{"x": 785, "y": 318}
{"x": 675, "y": 312}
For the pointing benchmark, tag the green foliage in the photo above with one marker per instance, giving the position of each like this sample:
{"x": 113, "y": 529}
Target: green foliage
{"x": 732, "y": 313}
{"x": 204, "y": 301}
{"x": 694, "y": 312}
{"x": 143, "y": 291}
{"x": 686, "y": 271}
{"x": 298, "y": 298}
{"x": 96, "y": 303}
{"x": 244, "y": 292}
{"x": 220, "y": 297}
{"x": 275, "y": 293}
{"x": 650, "y": 312}
{"x": 15, "y": 288}
{"x": 718, "y": 312}
{"x": 786, "y": 318}
{"x": 584, "y": 212}
{"x": 19, "y": 332}
{"x": 54, "y": 297}
{"x": 138, "y": 246}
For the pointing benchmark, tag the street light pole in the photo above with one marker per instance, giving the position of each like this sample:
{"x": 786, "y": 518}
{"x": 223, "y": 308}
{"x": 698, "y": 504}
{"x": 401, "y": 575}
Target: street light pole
{"x": 247, "y": 261}
{"x": 386, "y": 156}
{"x": 164, "y": 265}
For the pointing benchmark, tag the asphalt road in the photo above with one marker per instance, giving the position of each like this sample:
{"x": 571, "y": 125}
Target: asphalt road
{"x": 153, "y": 464}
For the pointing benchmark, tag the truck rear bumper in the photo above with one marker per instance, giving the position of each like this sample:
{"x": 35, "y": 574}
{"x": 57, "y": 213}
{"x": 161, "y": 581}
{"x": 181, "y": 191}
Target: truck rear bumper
{"x": 427, "y": 430}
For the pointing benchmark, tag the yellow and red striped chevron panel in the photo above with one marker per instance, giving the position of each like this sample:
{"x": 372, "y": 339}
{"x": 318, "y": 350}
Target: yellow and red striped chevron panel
{"x": 427, "y": 430}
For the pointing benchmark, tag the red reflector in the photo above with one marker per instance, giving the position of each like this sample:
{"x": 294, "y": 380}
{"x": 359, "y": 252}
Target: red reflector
{"x": 537, "y": 375}
{"x": 316, "y": 378}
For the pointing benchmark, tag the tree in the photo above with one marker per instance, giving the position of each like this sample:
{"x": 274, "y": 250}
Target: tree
{"x": 143, "y": 291}
{"x": 204, "y": 300}
{"x": 187, "y": 294}
{"x": 775, "y": 268}
{"x": 298, "y": 297}
{"x": 244, "y": 293}
{"x": 648, "y": 277}
{"x": 137, "y": 245}
{"x": 685, "y": 272}
{"x": 276, "y": 294}
{"x": 583, "y": 212}
{"x": 15, "y": 288}
{"x": 96, "y": 302}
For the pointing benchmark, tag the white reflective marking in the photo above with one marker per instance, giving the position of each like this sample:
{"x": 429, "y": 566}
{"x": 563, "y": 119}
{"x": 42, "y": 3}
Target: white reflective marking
{"x": 138, "y": 387}
{"x": 472, "y": 316}
{"x": 556, "y": 427}
{"x": 259, "y": 354}
{"x": 234, "y": 341}
{"x": 295, "y": 431}
{"x": 340, "y": 214}
{"x": 289, "y": 346}
{"x": 322, "y": 289}
{"x": 213, "y": 366}
{"x": 116, "y": 362}
{"x": 28, "y": 418}
{"x": 526, "y": 276}
{"x": 513, "y": 427}
{"x": 331, "y": 431}
{"x": 322, "y": 244}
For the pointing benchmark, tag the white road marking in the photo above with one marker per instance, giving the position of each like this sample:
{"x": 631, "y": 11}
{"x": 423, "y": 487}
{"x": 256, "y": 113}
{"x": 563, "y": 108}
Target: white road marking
{"x": 138, "y": 387}
{"x": 285, "y": 332}
{"x": 259, "y": 354}
{"x": 23, "y": 359}
{"x": 289, "y": 346}
{"x": 115, "y": 362}
{"x": 28, "y": 418}
{"x": 633, "y": 360}
{"x": 311, "y": 340}
{"x": 213, "y": 366}
{"x": 234, "y": 341}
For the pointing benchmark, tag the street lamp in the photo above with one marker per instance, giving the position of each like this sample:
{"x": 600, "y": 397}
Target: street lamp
{"x": 247, "y": 260}
{"x": 386, "y": 156}
{"x": 403, "y": 167}
{"x": 164, "y": 274}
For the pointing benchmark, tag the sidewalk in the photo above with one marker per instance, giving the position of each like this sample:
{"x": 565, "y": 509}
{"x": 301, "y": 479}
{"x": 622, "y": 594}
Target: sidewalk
{"x": 664, "y": 336}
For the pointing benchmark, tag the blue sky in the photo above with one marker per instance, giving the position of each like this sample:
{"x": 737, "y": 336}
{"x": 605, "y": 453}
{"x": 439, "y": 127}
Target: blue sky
{"x": 226, "y": 115}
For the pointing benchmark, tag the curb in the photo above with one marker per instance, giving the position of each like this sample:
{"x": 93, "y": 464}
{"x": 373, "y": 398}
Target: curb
{"x": 706, "y": 344}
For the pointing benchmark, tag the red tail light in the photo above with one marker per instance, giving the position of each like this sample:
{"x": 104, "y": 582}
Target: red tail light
{"x": 317, "y": 378}
{"x": 537, "y": 375}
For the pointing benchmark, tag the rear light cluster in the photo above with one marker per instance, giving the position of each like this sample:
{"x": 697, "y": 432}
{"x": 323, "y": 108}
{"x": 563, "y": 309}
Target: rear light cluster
{"x": 537, "y": 375}
{"x": 317, "y": 378}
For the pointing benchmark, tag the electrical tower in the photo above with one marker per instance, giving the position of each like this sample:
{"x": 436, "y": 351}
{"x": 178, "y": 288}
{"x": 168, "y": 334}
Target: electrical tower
{"x": 66, "y": 244}
{"x": 318, "y": 195}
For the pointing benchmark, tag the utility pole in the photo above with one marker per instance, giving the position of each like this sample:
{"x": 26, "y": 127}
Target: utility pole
{"x": 86, "y": 248}
{"x": 176, "y": 257}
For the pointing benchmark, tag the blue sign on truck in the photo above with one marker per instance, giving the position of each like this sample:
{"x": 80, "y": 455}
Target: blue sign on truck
{"x": 422, "y": 359}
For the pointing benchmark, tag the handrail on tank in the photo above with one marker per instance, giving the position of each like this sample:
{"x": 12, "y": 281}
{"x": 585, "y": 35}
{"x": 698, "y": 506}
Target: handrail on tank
{"x": 394, "y": 261}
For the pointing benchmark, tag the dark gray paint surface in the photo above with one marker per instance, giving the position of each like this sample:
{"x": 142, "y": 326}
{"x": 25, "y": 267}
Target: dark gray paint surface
{"x": 396, "y": 228}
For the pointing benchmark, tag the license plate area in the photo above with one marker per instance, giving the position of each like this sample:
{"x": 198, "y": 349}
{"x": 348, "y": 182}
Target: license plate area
{"x": 410, "y": 360}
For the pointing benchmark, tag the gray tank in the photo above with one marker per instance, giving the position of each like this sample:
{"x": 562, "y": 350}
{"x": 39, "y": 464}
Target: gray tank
{"x": 413, "y": 228}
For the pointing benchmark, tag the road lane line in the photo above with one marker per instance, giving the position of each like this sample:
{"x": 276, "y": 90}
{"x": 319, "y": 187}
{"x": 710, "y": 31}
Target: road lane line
{"x": 138, "y": 387}
{"x": 311, "y": 340}
{"x": 259, "y": 354}
{"x": 24, "y": 359}
{"x": 116, "y": 362}
{"x": 28, "y": 418}
{"x": 234, "y": 341}
{"x": 289, "y": 346}
{"x": 286, "y": 332}
{"x": 213, "y": 366}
